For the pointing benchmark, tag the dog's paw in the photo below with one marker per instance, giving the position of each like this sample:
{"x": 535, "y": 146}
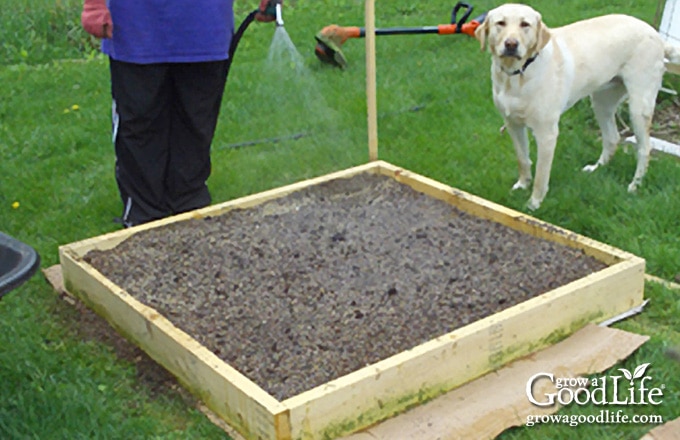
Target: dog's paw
{"x": 533, "y": 204}
{"x": 591, "y": 168}
{"x": 521, "y": 184}
{"x": 633, "y": 186}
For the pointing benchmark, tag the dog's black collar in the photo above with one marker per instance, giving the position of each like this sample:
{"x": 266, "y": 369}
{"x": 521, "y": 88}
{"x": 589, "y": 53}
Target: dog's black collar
{"x": 524, "y": 67}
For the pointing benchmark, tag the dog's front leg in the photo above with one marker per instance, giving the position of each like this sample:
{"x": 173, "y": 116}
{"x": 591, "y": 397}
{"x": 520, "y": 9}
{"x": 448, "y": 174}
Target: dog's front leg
{"x": 520, "y": 140}
{"x": 546, "y": 140}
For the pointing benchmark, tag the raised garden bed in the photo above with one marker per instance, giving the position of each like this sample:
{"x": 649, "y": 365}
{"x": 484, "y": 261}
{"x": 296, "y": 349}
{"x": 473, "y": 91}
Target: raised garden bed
{"x": 315, "y": 309}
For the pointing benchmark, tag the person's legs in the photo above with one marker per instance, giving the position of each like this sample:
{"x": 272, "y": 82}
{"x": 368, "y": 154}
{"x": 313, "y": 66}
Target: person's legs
{"x": 141, "y": 118}
{"x": 198, "y": 91}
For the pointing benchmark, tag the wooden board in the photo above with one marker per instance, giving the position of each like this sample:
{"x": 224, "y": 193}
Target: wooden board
{"x": 392, "y": 385}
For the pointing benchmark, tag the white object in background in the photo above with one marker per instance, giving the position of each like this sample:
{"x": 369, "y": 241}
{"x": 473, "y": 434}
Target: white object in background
{"x": 660, "y": 145}
{"x": 669, "y": 29}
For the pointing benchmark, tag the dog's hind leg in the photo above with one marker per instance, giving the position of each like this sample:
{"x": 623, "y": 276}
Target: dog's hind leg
{"x": 520, "y": 141}
{"x": 641, "y": 113}
{"x": 643, "y": 81}
{"x": 605, "y": 102}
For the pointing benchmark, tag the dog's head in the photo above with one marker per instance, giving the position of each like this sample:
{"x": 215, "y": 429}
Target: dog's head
{"x": 513, "y": 32}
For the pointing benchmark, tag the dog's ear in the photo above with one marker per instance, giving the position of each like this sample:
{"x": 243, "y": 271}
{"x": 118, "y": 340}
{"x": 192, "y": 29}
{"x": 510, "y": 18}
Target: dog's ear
{"x": 482, "y": 32}
{"x": 543, "y": 36}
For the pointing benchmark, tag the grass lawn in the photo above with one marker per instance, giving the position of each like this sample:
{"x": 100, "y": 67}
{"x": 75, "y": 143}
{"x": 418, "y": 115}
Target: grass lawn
{"x": 281, "y": 124}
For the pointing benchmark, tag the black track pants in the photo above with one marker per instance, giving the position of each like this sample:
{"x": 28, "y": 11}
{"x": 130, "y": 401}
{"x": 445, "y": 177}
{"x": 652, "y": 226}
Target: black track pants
{"x": 164, "y": 119}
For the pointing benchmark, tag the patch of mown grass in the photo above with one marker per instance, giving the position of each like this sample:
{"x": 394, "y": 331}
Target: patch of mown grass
{"x": 38, "y": 31}
{"x": 57, "y": 385}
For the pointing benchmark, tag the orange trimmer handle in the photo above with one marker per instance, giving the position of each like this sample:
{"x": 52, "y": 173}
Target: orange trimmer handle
{"x": 467, "y": 28}
{"x": 354, "y": 32}
{"x": 340, "y": 34}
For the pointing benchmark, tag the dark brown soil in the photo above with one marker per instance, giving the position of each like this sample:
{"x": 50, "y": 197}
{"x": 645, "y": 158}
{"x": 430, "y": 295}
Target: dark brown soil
{"x": 666, "y": 121}
{"x": 299, "y": 291}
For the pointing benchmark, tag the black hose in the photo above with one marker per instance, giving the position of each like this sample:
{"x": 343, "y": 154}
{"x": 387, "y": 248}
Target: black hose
{"x": 237, "y": 37}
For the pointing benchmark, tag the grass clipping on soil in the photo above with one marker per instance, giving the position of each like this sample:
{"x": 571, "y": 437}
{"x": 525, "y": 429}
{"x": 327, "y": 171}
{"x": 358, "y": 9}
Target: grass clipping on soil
{"x": 304, "y": 289}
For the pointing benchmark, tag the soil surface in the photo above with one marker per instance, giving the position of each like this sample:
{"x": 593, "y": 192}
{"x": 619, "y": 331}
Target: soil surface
{"x": 666, "y": 124}
{"x": 302, "y": 290}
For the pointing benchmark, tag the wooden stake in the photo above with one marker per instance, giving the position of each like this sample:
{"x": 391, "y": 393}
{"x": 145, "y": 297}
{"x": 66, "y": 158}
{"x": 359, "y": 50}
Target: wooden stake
{"x": 371, "y": 100}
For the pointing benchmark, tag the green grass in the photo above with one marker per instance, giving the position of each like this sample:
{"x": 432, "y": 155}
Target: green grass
{"x": 38, "y": 31}
{"x": 435, "y": 118}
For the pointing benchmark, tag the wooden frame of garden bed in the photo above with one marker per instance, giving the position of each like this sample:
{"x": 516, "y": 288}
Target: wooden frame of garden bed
{"x": 390, "y": 386}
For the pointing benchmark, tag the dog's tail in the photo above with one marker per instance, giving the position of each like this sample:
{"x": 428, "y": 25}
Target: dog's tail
{"x": 672, "y": 53}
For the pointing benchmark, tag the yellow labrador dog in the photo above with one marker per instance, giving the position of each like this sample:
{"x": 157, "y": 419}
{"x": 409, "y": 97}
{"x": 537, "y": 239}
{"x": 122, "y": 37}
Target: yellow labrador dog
{"x": 538, "y": 73}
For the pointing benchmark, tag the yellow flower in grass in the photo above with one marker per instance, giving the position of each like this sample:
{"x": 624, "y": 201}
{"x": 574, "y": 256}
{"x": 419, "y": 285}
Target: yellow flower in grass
{"x": 15, "y": 205}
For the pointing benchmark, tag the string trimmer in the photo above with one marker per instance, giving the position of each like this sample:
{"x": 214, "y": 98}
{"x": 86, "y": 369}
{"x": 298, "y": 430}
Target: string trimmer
{"x": 331, "y": 38}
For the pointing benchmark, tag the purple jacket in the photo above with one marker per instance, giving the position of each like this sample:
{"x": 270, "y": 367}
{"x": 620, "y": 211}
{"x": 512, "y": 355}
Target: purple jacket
{"x": 170, "y": 31}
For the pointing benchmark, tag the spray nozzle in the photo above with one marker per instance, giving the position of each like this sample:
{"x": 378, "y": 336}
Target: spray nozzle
{"x": 279, "y": 15}
{"x": 272, "y": 8}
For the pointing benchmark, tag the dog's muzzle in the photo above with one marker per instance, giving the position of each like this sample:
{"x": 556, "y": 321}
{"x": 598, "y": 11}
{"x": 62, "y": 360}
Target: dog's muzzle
{"x": 511, "y": 48}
